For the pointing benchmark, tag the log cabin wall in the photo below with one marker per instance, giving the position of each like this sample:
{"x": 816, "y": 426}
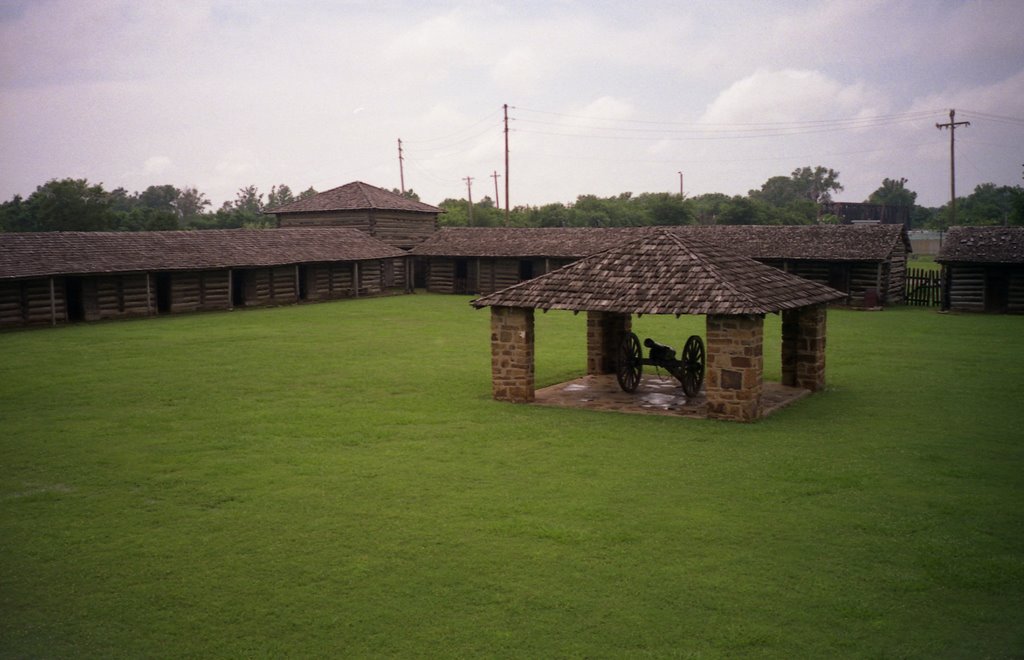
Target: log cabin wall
{"x": 28, "y": 302}
{"x": 994, "y": 288}
{"x": 897, "y": 275}
{"x": 117, "y": 296}
{"x": 967, "y": 287}
{"x": 441, "y": 274}
{"x": 401, "y": 229}
{"x": 199, "y": 291}
{"x": 1016, "y": 291}
{"x": 355, "y": 219}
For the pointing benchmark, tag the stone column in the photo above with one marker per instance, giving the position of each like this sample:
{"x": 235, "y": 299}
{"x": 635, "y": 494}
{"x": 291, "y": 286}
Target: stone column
{"x": 735, "y": 366}
{"x": 803, "y": 347}
{"x": 512, "y": 354}
{"x": 604, "y": 332}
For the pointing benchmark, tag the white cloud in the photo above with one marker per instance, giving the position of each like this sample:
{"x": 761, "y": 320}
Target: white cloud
{"x": 156, "y": 165}
{"x": 784, "y": 96}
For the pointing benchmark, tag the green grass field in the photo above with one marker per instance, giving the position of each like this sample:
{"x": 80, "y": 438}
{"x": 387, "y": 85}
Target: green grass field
{"x": 334, "y": 481}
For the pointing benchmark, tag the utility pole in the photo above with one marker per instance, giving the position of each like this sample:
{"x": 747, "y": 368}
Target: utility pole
{"x": 506, "y": 165}
{"x": 496, "y": 176}
{"x": 401, "y": 166}
{"x": 952, "y": 162}
{"x": 469, "y": 190}
{"x": 680, "y": 184}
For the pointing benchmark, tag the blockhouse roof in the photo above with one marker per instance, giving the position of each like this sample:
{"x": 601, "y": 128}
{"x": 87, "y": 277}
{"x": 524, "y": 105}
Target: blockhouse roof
{"x": 817, "y": 242}
{"x": 998, "y": 245}
{"x": 355, "y": 196}
{"x": 665, "y": 272}
{"x": 42, "y": 254}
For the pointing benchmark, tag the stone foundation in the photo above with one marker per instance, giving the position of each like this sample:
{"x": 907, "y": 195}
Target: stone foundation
{"x": 512, "y": 354}
{"x": 803, "y": 347}
{"x": 604, "y": 333}
{"x": 735, "y": 367}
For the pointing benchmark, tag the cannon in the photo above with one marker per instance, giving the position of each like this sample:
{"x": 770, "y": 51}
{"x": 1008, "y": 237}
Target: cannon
{"x": 688, "y": 369}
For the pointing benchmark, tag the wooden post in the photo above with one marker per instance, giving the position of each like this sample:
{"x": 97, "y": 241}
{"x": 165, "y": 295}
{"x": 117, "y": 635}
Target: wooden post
{"x": 53, "y": 304}
{"x": 355, "y": 278}
{"x": 296, "y": 281}
{"x": 149, "y": 296}
{"x": 478, "y": 275}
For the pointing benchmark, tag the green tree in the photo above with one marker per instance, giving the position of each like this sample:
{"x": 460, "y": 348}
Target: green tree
{"x": 70, "y": 205}
{"x": 15, "y": 216}
{"x": 307, "y": 193}
{"x": 817, "y": 184}
{"x": 279, "y": 196}
{"x": 160, "y": 198}
{"x": 893, "y": 192}
{"x": 190, "y": 206}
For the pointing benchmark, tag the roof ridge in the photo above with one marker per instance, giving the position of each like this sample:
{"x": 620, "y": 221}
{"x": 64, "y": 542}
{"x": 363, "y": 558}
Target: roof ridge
{"x": 713, "y": 267}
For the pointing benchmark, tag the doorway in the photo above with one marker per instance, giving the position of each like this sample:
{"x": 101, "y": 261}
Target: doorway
{"x": 163, "y": 293}
{"x": 74, "y": 299}
{"x": 238, "y": 288}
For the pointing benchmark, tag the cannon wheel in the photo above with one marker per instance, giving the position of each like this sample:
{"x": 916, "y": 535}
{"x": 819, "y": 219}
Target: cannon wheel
{"x": 630, "y": 363}
{"x": 693, "y": 366}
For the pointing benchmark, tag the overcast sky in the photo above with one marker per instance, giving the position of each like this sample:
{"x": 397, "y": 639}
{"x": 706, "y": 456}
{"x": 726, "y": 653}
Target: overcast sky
{"x": 604, "y": 97}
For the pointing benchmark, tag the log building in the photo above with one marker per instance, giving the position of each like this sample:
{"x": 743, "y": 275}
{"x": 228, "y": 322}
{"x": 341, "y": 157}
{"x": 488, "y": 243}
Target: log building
{"x": 396, "y": 220}
{"x": 48, "y": 278}
{"x": 983, "y": 269}
{"x": 865, "y": 262}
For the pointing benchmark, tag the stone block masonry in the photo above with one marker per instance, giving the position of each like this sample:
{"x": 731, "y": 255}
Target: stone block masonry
{"x": 512, "y": 338}
{"x": 803, "y": 347}
{"x": 604, "y": 333}
{"x": 735, "y": 366}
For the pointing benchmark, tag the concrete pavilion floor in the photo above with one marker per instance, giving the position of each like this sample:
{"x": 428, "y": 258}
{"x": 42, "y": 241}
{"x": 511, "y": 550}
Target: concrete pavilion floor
{"x": 656, "y": 395}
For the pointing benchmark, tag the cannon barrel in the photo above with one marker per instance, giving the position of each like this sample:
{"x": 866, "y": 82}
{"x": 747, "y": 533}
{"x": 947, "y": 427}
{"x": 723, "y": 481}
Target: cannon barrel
{"x": 660, "y": 352}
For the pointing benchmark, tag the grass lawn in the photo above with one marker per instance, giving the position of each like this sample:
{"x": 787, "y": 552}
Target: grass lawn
{"x": 334, "y": 480}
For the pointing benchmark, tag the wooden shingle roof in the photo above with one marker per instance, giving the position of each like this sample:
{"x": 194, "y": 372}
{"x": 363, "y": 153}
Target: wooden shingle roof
{"x": 355, "y": 196}
{"x": 865, "y": 242}
{"x": 997, "y": 245}
{"x": 41, "y": 254}
{"x": 817, "y": 242}
{"x": 512, "y": 242}
{"x": 665, "y": 272}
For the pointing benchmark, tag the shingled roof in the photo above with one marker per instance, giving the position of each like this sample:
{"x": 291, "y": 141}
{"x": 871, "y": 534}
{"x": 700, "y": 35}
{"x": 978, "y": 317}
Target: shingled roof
{"x": 997, "y": 245}
{"x": 815, "y": 242}
{"x": 41, "y": 254}
{"x": 355, "y": 196}
{"x": 560, "y": 242}
{"x": 807, "y": 242}
{"x": 665, "y": 272}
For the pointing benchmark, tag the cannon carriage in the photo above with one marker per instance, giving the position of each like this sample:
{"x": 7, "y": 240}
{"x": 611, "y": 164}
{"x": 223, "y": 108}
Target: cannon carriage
{"x": 688, "y": 368}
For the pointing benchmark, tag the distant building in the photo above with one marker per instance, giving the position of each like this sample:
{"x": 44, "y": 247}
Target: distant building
{"x": 387, "y": 216}
{"x": 853, "y": 213}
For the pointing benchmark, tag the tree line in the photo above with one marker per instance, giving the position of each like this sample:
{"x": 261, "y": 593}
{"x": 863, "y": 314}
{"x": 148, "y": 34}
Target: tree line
{"x": 77, "y": 205}
{"x": 796, "y": 199}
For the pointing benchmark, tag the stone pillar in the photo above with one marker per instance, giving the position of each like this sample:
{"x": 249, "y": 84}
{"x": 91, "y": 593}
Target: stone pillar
{"x": 735, "y": 366}
{"x": 512, "y": 354}
{"x": 604, "y": 332}
{"x": 803, "y": 347}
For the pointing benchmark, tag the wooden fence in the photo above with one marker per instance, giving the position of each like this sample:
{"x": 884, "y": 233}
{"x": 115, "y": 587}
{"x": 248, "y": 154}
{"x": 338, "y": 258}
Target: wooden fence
{"x": 923, "y": 288}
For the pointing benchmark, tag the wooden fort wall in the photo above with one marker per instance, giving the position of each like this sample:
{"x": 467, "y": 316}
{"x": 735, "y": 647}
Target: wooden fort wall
{"x": 45, "y": 301}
